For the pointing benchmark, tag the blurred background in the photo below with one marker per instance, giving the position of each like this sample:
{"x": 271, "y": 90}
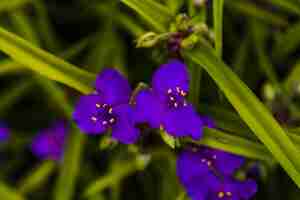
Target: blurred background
{"x": 261, "y": 44}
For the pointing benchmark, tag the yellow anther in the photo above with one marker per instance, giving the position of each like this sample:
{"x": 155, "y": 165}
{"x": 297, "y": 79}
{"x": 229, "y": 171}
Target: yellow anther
{"x": 94, "y": 119}
{"x": 229, "y": 194}
{"x": 209, "y": 163}
{"x": 178, "y": 89}
{"x": 112, "y": 120}
{"x": 183, "y": 93}
{"x": 221, "y": 195}
{"x": 98, "y": 105}
{"x": 110, "y": 110}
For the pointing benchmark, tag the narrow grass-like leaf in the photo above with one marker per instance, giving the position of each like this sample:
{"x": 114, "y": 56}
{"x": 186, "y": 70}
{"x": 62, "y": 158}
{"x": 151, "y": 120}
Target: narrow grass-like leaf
{"x": 69, "y": 169}
{"x": 292, "y": 81}
{"x": 259, "y": 36}
{"x": 157, "y": 15}
{"x": 286, "y": 42}
{"x": 6, "y": 193}
{"x": 220, "y": 140}
{"x": 218, "y": 25}
{"x": 250, "y": 9}
{"x": 7, "y": 66}
{"x": 251, "y": 110}
{"x": 12, "y": 4}
{"x": 240, "y": 57}
{"x": 125, "y": 169}
{"x": 11, "y": 95}
{"x": 195, "y": 84}
{"x": 45, "y": 27}
{"x": 37, "y": 177}
{"x": 44, "y": 63}
{"x": 289, "y": 6}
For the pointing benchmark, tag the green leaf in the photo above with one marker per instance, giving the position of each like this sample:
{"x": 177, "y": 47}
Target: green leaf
{"x": 7, "y": 66}
{"x": 12, "y": 4}
{"x": 251, "y": 110}
{"x": 69, "y": 168}
{"x": 234, "y": 144}
{"x": 287, "y": 5}
{"x": 292, "y": 80}
{"x": 218, "y": 25}
{"x": 45, "y": 63}
{"x": 286, "y": 42}
{"x": 37, "y": 177}
{"x": 259, "y": 34}
{"x": 12, "y": 95}
{"x": 157, "y": 15}
{"x": 9, "y": 194}
{"x": 250, "y": 9}
{"x": 120, "y": 171}
{"x": 168, "y": 139}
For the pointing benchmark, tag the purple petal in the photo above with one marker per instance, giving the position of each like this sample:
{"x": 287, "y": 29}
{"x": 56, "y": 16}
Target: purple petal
{"x": 124, "y": 130}
{"x": 226, "y": 163}
{"x": 247, "y": 189}
{"x": 183, "y": 121}
{"x": 169, "y": 76}
{"x": 49, "y": 143}
{"x": 190, "y": 169}
{"x": 113, "y": 87}
{"x": 84, "y": 113}
{"x": 148, "y": 109}
{"x": 208, "y": 122}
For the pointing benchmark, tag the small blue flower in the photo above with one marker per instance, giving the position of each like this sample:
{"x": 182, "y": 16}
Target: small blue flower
{"x": 49, "y": 143}
{"x": 208, "y": 174}
{"x": 165, "y": 105}
{"x": 107, "y": 108}
{"x": 4, "y": 132}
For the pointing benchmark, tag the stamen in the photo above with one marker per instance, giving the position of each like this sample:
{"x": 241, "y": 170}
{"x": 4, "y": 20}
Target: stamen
{"x": 229, "y": 194}
{"x": 110, "y": 110}
{"x": 203, "y": 160}
{"x": 169, "y": 91}
{"x": 214, "y": 157}
{"x": 104, "y": 123}
{"x": 209, "y": 163}
{"x": 112, "y": 120}
{"x": 221, "y": 195}
{"x": 172, "y": 98}
{"x": 98, "y": 105}
{"x": 104, "y": 105}
{"x": 183, "y": 93}
{"x": 94, "y": 119}
{"x": 175, "y": 104}
{"x": 178, "y": 89}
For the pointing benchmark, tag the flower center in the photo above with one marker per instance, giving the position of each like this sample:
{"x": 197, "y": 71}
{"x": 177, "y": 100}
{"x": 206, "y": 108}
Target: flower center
{"x": 224, "y": 195}
{"x": 104, "y": 115}
{"x": 176, "y": 98}
{"x": 209, "y": 161}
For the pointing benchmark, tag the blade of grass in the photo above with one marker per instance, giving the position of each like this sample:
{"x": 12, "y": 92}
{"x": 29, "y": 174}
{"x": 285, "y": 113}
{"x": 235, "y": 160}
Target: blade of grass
{"x": 37, "y": 177}
{"x": 157, "y": 15}
{"x": 220, "y": 140}
{"x": 11, "y": 95}
{"x": 12, "y": 4}
{"x": 251, "y": 110}
{"x": 218, "y": 25}
{"x": 250, "y": 9}
{"x": 45, "y": 27}
{"x": 9, "y": 194}
{"x": 289, "y": 6}
{"x": 286, "y": 42}
{"x": 45, "y": 63}
{"x": 259, "y": 37}
{"x": 292, "y": 80}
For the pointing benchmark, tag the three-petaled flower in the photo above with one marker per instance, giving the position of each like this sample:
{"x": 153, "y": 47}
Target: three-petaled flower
{"x": 49, "y": 143}
{"x": 207, "y": 174}
{"x": 165, "y": 105}
{"x": 108, "y": 107}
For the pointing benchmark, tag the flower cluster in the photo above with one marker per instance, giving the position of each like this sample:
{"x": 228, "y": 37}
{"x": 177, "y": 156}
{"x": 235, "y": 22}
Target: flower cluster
{"x": 208, "y": 174}
{"x": 164, "y": 105}
{"x": 49, "y": 143}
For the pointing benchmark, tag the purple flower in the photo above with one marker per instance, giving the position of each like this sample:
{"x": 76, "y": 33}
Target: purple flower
{"x": 208, "y": 122}
{"x": 165, "y": 105}
{"x": 49, "y": 143}
{"x": 108, "y": 108}
{"x": 207, "y": 174}
{"x": 4, "y": 132}
{"x": 230, "y": 189}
